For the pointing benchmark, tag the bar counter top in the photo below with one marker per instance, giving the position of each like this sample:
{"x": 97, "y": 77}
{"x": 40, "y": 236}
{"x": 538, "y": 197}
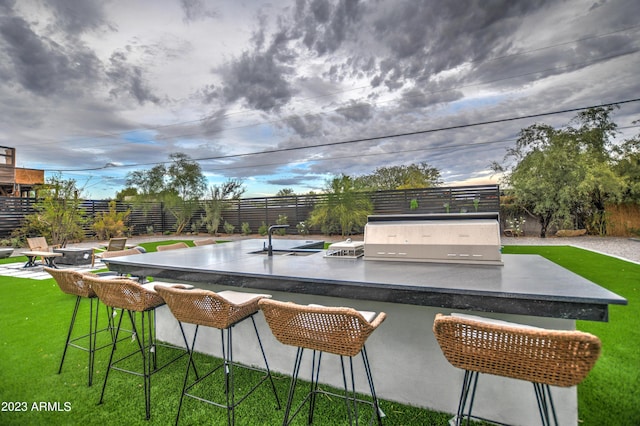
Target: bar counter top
{"x": 524, "y": 285}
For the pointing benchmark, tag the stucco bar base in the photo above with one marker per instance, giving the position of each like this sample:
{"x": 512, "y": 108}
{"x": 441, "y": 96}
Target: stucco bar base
{"x": 408, "y": 366}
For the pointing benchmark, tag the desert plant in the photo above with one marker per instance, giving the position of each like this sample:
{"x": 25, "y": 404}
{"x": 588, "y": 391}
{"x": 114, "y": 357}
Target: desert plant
{"x": 111, "y": 223}
{"x": 282, "y": 220}
{"x": 58, "y": 216}
{"x": 228, "y": 228}
{"x": 263, "y": 229}
{"x": 220, "y": 197}
{"x": 345, "y": 209}
{"x": 303, "y": 228}
{"x": 246, "y": 228}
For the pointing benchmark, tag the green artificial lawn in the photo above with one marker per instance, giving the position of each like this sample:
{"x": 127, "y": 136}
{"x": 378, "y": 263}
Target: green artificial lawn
{"x": 610, "y": 395}
{"x": 35, "y": 315}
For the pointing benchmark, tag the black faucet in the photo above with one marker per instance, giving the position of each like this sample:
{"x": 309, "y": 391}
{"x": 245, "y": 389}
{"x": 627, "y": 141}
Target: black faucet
{"x": 270, "y": 232}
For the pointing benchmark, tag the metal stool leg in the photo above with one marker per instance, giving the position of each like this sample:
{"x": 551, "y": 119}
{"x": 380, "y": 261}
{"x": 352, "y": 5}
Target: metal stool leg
{"x": 113, "y": 349}
{"x": 315, "y": 375}
{"x": 469, "y": 384}
{"x": 266, "y": 363}
{"x": 73, "y": 321}
{"x": 93, "y": 329}
{"x": 367, "y": 369}
{"x": 545, "y": 404}
{"x": 292, "y": 385}
{"x": 190, "y": 363}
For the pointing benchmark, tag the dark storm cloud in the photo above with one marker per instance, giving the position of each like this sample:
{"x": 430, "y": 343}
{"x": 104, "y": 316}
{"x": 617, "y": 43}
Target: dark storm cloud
{"x": 39, "y": 64}
{"x": 129, "y": 79}
{"x": 77, "y": 16}
{"x": 260, "y": 79}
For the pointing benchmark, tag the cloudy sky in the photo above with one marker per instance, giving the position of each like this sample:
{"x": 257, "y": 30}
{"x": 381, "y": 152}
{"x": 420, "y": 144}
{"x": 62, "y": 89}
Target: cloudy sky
{"x": 285, "y": 94}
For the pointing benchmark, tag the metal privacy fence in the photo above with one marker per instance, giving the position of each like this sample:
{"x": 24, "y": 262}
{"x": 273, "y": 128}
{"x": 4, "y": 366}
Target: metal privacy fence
{"x": 152, "y": 217}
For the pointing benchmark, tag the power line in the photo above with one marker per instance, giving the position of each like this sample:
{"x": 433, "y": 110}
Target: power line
{"x": 369, "y": 139}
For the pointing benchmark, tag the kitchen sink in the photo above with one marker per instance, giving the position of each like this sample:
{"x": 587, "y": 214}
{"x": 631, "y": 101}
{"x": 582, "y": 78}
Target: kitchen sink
{"x": 292, "y": 252}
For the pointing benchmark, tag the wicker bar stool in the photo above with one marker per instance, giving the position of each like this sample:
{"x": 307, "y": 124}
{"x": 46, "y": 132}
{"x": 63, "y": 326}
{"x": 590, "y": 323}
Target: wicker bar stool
{"x": 544, "y": 357}
{"x": 74, "y": 283}
{"x": 339, "y": 331}
{"x": 130, "y": 296}
{"x": 221, "y": 310}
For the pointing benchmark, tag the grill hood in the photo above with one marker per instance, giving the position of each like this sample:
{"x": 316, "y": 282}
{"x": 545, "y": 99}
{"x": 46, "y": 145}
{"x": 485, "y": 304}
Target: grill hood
{"x": 471, "y": 238}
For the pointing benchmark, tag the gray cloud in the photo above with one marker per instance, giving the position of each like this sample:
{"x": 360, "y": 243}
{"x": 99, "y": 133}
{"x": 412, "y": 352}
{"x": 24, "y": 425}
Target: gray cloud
{"x": 260, "y": 79}
{"x": 39, "y": 64}
{"x": 129, "y": 79}
{"x": 77, "y": 16}
{"x": 76, "y": 77}
{"x": 195, "y": 10}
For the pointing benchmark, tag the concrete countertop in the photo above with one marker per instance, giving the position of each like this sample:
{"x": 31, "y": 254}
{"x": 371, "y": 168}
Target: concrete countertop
{"x": 525, "y": 284}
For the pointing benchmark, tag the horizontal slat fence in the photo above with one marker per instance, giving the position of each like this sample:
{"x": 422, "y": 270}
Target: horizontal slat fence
{"x": 151, "y": 216}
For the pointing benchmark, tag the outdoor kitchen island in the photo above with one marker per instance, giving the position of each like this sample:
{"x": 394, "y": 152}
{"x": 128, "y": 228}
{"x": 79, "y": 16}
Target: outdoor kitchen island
{"x": 407, "y": 363}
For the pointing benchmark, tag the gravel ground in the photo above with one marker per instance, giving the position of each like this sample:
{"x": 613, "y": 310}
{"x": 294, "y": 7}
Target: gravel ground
{"x": 623, "y": 248}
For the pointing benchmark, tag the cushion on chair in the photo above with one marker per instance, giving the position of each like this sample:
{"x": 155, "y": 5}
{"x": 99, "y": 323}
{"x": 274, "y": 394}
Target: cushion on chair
{"x": 493, "y": 321}
{"x": 238, "y": 298}
{"x": 367, "y": 315}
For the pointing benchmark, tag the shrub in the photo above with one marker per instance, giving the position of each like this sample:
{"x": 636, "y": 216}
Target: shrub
{"x": 303, "y": 228}
{"x": 228, "y": 228}
{"x": 246, "y": 228}
{"x": 112, "y": 223}
{"x": 282, "y": 220}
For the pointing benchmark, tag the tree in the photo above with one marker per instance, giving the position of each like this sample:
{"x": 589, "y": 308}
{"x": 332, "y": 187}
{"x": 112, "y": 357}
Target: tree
{"x": 345, "y": 209}
{"x": 186, "y": 185}
{"x": 564, "y": 176}
{"x": 126, "y": 192}
{"x": 179, "y": 186}
{"x": 419, "y": 175}
{"x": 58, "y": 214}
{"x": 231, "y": 189}
{"x": 627, "y": 167}
{"x": 285, "y": 192}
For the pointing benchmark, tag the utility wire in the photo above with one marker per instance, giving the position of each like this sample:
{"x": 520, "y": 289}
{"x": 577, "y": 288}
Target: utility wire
{"x": 369, "y": 139}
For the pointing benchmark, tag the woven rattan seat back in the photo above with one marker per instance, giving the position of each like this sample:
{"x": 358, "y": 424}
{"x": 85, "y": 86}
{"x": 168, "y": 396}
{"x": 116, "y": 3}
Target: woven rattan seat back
{"x": 117, "y": 253}
{"x": 552, "y": 357}
{"x": 123, "y": 293}
{"x": 341, "y": 331}
{"x": 173, "y": 246}
{"x": 203, "y": 307}
{"x": 205, "y": 242}
{"x": 71, "y": 282}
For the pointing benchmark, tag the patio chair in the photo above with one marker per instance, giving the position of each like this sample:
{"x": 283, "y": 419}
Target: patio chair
{"x": 115, "y": 244}
{"x": 222, "y": 310}
{"x": 205, "y": 242}
{"x": 537, "y": 355}
{"x": 174, "y": 246}
{"x": 39, "y": 244}
{"x": 340, "y": 331}
{"x": 131, "y": 297}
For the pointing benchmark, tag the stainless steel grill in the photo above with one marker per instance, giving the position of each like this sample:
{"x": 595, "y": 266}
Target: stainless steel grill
{"x": 449, "y": 238}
